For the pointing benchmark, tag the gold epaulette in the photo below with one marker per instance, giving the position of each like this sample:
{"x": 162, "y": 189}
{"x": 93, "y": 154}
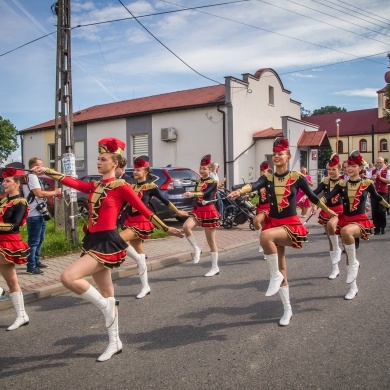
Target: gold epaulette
{"x": 367, "y": 182}
{"x": 296, "y": 175}
{"x": 269, "y": 176}
{"x": 20, "y": 200}
{"x": 342, "y": 183}
{"x": 326, "y": 181}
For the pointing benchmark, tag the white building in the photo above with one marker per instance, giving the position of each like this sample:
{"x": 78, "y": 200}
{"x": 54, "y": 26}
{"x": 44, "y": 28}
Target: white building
{"x": 232, "y": 122}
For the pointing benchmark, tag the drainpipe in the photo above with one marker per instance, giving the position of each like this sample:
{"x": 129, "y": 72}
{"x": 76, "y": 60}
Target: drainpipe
{"x": 21, "y": 146}
{"x": 223, "y": 139}
{"x": 372, "y": 140}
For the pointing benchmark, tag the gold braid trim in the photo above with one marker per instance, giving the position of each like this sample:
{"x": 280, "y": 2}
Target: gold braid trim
{"x": 54, "y": 174}
{"x": 321, "y": 204}
{"x": 156, "y": 221}
{"x": 20, "y": 200}
{"x": 6, "y": 227}
{"x": 245, "y": 189}
{"x": 384, "y": 203}
{"x": 173, "y": 208}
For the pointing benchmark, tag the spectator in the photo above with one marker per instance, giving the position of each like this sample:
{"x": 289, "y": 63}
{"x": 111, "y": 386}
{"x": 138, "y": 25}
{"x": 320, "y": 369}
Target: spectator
{"x": 120, "y": 172}
{"x": 302, "y": 201}
{"x": 36, "y": 224}
{"x": 214, "y": 174}
{"x": 381, "y": 178}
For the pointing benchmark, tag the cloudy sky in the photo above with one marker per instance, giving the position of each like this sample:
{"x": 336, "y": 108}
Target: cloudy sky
{"x": 327, "y": 52}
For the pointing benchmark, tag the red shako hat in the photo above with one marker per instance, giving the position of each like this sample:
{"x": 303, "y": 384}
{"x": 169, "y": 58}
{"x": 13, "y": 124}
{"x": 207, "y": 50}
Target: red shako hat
{"x": 206, "y": 160}
{"x": 280, "y": 144}
{"x": 355, "y": 158}
{"x": 13, "y": 169}
{"x": 111, "y": 145}
{"x": 334, "y": 160}
{"x": 264, "y": 166}
{"x": 141, "y": 162}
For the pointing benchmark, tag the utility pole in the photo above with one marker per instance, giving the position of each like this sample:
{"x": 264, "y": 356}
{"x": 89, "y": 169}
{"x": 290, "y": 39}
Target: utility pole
{"x": 66, "y": 219}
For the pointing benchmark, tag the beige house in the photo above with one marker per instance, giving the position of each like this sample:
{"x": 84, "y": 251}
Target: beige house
{"x": 178, "y": 128}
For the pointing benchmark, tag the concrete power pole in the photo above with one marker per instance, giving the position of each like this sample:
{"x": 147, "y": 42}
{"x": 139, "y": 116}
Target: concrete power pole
{"x": 66, "y": 210}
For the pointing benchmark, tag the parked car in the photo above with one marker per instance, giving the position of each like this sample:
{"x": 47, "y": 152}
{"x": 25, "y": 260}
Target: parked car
{"x": 82, "y": 198}
{"x": 47, "y": 184}
{"x": 173, "y": 182}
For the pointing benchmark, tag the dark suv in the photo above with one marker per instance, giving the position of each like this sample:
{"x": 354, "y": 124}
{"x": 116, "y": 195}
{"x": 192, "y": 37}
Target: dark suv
{"x": 173, "y": 182}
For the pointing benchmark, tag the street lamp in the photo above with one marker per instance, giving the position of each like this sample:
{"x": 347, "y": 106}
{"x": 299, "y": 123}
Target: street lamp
{"x": 337, "y": 134}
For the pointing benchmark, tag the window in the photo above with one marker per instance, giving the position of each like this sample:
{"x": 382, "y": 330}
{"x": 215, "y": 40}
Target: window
{"x": 383, "y": 145}
{"x": 79, "y": 154}
{"x": 303, "y": 158}
{"x": 340, "y": 147}
{"x": 363, "y": 145}
{"x": 52, "y": 156}
{"x": 271, "y": 98}
{"x": 140, "y": 145}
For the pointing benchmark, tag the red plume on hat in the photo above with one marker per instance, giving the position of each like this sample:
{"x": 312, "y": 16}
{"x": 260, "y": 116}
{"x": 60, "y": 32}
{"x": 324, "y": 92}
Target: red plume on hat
{"x": 355, "y": 158}
{"x": 264, "y": 166}
{"x": 334, "y": 160}
{"x": 141, "y": 162}
{"x": 206, "y": 160}
{"x": 280, "y": 144}
{"x": 13, "y": 169}
{"x": 111, "y": 145}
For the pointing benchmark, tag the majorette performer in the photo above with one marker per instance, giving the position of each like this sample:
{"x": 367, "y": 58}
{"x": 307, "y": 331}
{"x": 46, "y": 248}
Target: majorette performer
{"x": 262, "y": 207}
{"x": 103, "y": 247}
{"x": 136, "y": 226}
{"x": 204, "y": 214}
{"x": 283, "y": 227}
{"x": 13, "y": 250}
{"x": 354, "y": 222}
{"x": 335, "y": 204}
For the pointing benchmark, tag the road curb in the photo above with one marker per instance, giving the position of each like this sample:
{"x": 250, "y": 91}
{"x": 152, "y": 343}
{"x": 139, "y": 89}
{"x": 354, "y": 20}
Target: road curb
{"x": 120, "y": 273}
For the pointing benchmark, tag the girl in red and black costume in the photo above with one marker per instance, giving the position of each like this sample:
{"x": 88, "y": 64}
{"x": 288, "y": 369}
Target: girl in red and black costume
{"x": 354, "y": 222}
{"x": 204, "y": 214}
{"x": 262, "y": 207}
{"x": 103, "y": 247}
{"x": 283, "y": 227}
{"x": 136, "y": 226}
{"x": 335, "y": 204}
{"x": 13, "y": 250}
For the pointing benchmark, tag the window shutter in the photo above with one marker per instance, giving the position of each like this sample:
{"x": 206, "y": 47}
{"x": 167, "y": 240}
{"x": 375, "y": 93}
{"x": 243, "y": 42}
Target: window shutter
{"x": 140, "y": 145}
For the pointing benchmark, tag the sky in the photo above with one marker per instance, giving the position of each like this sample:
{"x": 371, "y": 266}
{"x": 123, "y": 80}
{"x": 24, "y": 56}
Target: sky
{"x": 326, "y": 52}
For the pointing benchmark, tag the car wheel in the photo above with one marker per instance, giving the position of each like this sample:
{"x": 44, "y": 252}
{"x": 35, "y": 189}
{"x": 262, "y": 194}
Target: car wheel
{"x": 82, "y": 208}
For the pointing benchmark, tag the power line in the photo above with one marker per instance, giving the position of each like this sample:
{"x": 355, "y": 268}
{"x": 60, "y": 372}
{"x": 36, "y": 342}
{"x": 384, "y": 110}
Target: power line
{"x": 185, "y": 63}
{"x": 345, "y": 8}
{"x": 362, "y": 9}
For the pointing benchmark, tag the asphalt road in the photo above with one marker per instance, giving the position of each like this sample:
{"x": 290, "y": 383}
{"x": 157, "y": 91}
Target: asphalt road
{"x": 216, "y": 333}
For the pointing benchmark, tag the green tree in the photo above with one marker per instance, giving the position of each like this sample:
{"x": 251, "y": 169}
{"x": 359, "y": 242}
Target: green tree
{"x": 328, "y": 110}
{"x": 324, "y": 157}
{"x": 8, "y": 138}
{"x": 304, "y": 112}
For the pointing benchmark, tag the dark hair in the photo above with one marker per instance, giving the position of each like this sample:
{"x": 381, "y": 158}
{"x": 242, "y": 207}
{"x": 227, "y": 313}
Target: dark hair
{"x": 33, "y": 161}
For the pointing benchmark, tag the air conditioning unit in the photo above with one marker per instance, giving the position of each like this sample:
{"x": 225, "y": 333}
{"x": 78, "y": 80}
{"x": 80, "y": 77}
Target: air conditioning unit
{"x": 168, "y": 134}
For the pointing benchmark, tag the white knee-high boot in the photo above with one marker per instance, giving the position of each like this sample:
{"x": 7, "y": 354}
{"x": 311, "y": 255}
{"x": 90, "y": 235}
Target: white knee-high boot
{"x": 258, "y": 235}
{"x": 353, "y": 267}
{"x": 198, "y": 251}
{"x": 353, "y": 290}
{"x": 143, "y": 274}
{"x": 139, "y": 258}
{"x": 284, "y": 293}
{"x": 106, "y": 305}
{"x": 335, "y": 269}
{"x": 214, "y": 265}
{"x": 336, "y": 253}
{"x": 2, "y": 292}
{"x": 114, "y": 343}
{"x": 275, "y": 276}
{"x": 21, "y": 315}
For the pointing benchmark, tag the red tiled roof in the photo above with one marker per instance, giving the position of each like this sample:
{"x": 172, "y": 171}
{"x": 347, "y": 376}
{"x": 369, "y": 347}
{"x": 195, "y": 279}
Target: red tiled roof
{"x": 313, "y": 138}
{"x": 268, "y": 133}
{"x": 191, "y": 98}
{"x": 351, "y": 123}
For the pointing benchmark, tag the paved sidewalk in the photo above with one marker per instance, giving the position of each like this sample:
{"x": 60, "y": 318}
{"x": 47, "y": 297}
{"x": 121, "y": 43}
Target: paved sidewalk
{"x": 161, "y": 253}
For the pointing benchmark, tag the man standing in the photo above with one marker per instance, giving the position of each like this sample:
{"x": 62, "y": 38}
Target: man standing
{"x": 36, "y": 224}
{"x": 381, "y": 178}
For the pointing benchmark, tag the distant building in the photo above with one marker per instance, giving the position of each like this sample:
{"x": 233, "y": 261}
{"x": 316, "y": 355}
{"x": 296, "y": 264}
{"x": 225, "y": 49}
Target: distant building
{"x": 365, "y": 130}
{"x": 234, "y": 122}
